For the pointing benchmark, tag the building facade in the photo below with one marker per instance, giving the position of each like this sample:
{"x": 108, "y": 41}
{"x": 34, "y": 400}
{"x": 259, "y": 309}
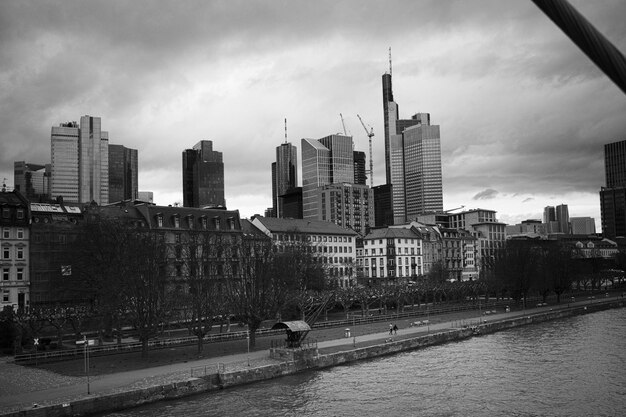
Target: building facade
{"x": 54, "y": 229}
{"x": 329, "y": 160}
{"x": 583, "y": 225}
{"x": 350, "y": 206}
{"x": 32, "y": 180}
{"x": 333, "y": 246}
{"x": 203, "y": 176}
{"x": 15, "y": 250}
{"x": 284, "y": 175}
{"x": 80, "y": 161}
{"x": 613, "y": 196}
{"x": 123, "y": 173}
{"x": 412, "y": 160}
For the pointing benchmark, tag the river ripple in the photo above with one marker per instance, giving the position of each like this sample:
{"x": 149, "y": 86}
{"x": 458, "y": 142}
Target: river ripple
{"x": 569, "y": 367}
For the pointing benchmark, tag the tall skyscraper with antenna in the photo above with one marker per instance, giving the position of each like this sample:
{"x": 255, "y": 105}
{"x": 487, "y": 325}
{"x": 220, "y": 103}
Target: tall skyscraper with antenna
{"x": 284, "y": 173}
{"x": 412, "y": 159}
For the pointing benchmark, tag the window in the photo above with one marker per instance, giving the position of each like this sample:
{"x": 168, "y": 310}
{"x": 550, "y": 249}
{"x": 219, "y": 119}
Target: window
{"x": 6, "y": 253}
{"x": 176, "y": 222}
{"x": 6, "y": 213}
{"x": 6, "y": 233}
{"x": 20, "y": 233}
{"x": 20, "y": 214}
{"x": 20, "y": 274}
{"x": 5, "y": 274}
{"x": 5, "y": 296}
{"x": 20, "y": 253}
{"x": 160, "y": 220}
{"x": 216, "y": 222}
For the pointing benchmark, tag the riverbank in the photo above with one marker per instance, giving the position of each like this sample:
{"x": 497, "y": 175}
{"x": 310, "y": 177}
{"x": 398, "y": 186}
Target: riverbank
{"x": 330, "y": 353}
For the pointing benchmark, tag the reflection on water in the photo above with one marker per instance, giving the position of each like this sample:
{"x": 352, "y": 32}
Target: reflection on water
{"x": 570, "y": 367}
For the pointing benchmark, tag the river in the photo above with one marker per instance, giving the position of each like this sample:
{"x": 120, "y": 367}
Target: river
{"x": 570, "y": 367}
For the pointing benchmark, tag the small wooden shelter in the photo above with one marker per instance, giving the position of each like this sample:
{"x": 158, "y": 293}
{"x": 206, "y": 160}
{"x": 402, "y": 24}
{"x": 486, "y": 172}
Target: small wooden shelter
{"x": 296, "y": 331}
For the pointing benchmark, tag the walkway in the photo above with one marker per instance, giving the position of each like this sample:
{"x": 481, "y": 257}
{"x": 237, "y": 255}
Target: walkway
{"x": 23, "y": 387}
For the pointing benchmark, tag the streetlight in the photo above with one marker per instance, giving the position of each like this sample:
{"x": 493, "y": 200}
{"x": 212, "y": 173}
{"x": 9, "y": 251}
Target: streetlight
{"x": 248, "y": 337}
{"x": 86, "y": 344}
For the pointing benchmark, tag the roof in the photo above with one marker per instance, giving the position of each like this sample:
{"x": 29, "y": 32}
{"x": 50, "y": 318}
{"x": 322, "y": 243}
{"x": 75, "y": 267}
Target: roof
{"x": 250, "y": 230}
{"x": 294, "y": 326}
{"x": 277, "y": 225}
{"x": 387, "y": 233}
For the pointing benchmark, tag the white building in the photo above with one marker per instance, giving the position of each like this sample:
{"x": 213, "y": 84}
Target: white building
{"x": 333, "y": 246}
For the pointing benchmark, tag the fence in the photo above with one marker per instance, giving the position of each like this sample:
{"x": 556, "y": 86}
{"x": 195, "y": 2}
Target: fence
{"x": 410, "y": 311}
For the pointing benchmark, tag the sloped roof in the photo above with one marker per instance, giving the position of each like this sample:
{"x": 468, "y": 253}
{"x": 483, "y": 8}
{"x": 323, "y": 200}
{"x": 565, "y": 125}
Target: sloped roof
{"x": 294, "y": 326}
{"x": 386, "y": 233}
{"x": 276, "y": 225}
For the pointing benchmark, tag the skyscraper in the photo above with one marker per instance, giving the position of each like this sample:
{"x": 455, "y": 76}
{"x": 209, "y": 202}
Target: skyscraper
{"x": 412, "y": 159}
{"x": 32, "y": 180}
{"x": 360, "y": 176}
{"x": 80, "y": 161}
{"x": 203, "y": 176}
{"x": 615, "y": 164}
{"x": 613, "y": 196}
{"x": 122, "y": 173}
{"x": 284, "y": 175}
{"x": 329, "y": 160}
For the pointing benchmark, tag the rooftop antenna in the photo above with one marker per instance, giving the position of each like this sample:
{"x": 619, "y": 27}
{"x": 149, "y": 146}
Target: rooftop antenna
{"x": 390, "y": 60}
{"x": 285, "y": 130}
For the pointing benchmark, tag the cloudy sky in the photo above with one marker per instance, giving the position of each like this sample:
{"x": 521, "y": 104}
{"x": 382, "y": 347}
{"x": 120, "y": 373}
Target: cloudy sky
{"x": 524, "y": 114}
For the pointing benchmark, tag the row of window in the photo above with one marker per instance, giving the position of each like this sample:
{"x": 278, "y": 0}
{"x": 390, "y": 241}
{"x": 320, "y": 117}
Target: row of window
{"x": 6, "y": 274}
{"x": 381, "y": 251}
{"x": 6, "y": 233}
{"x": 6, "y": 253}
{"x": 6, "y": 213}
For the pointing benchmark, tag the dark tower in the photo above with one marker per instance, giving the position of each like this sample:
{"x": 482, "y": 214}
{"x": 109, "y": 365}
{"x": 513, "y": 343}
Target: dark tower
{"x": 203, "y": 176}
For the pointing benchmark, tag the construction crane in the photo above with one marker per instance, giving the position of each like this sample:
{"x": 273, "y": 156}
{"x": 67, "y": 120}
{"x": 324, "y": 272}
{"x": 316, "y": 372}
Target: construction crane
{"x": 456, "y": 208}
{"x": 345, "y": 132}
{"x": 370, "y": 134}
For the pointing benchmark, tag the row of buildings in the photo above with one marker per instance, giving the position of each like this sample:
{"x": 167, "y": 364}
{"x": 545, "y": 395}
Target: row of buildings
{"x": 37, "y": 251}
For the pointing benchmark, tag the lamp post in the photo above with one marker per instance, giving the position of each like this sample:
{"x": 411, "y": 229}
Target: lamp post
{"x": 85, "y": 344}
{"x": 248, "y": 338}
{"x": 354, "y": 331}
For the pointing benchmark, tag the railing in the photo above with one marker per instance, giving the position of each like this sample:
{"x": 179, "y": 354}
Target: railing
{"x": 410, "y": 311}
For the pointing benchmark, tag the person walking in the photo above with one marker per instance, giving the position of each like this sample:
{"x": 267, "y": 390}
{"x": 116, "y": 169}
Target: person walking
{"x": 395, "y": 329}
{"x": 390, "y": 329}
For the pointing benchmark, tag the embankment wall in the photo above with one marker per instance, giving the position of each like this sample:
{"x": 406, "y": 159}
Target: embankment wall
{"x": 124, "y": 400}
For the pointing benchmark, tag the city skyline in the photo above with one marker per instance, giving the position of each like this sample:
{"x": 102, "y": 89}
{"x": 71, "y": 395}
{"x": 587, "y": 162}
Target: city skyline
{"x": 524, "y": 114}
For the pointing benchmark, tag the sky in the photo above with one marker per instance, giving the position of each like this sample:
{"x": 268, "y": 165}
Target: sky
{"x": 523, "y": 113}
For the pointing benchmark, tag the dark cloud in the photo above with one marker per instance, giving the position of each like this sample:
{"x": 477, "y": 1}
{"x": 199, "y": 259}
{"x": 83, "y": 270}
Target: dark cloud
{"x": 487, "y": 194}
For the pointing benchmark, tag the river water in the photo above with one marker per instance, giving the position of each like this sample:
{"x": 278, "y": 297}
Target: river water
{"x": 570, "y": 367}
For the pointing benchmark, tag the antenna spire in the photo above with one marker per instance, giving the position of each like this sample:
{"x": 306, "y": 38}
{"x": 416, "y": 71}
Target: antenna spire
{"x": 285, "y": 130}
{"x": 390, "y": 60}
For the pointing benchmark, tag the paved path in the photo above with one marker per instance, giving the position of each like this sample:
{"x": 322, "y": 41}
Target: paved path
{"x": 22, "y": 387}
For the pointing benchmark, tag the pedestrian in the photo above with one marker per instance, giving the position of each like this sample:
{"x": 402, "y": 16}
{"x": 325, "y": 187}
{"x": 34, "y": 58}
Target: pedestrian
{"x": 395, "y": 329}
{"x": 390, "y": 328}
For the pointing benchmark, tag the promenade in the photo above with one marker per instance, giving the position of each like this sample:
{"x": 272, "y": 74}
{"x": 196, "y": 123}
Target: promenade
{"x": 24, "y": 387}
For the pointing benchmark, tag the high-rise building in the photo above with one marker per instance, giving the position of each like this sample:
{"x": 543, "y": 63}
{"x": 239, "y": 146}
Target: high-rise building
{"x": 80, "y": 161}
{"x": 412, "y": 159}
{"x": 350, "y": 206}
{"x": 329, "y": 160}
{"x": 203, "y": 176}
{"x": 122, "y": 173}
{"x": 383, "y": 211}
{"x": 615, "y": 164}
{"x": 360, "y": 176}
{"x": 583, "y": 225}
{"x": 32, "y": 180}
{"x": 613, "y": 196}
{"x": 613, "y": 211}
{"x": 147, "y": 196}
{"x": 284, "y": 175}
{"x": 562, "y": 217}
